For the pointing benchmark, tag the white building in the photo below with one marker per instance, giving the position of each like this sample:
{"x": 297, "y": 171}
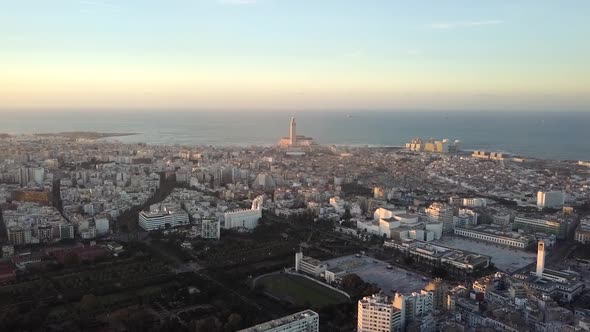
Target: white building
{"x": 550, "y": 199}
{"x": 210, "y": 229}
{"x": 465, "y": 217}
{"x": 7, "y": 251}
{"x": 101, "y": 225}
{"x": 304, "y": 321}
{"x": 294, "y": 140}
{"x": 414, "y": 306}
{"x": 376, "y": 313}
{"x": 441, "y": 213}
{"x": 150, "y": 221}
{"x": 436, "y": 229}
{"x": 387, "y": 220}
{"x": 18, "y": 235}
{"x": 564, "y": 285}
{"x": 244, "y": 219}
{"x": 309, "y": 265}
{"x": 338, "y": 204}
{"x": 489, "y": 234}
{"x": 474, "y": 202}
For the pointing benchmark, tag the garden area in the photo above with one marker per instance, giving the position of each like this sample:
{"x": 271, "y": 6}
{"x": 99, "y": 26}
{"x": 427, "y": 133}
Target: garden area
{"x": 298, "y": 290}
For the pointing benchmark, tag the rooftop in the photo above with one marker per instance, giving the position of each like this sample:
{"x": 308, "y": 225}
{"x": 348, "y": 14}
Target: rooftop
{"x": 281, "y": 321}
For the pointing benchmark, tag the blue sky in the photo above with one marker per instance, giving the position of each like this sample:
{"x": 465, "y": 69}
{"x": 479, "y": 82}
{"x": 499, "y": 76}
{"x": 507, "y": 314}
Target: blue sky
{"x": 288, "y": 54}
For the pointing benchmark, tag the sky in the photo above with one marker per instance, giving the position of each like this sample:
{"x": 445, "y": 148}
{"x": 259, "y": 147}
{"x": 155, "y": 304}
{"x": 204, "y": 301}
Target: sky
{"x": 294, "y": 55}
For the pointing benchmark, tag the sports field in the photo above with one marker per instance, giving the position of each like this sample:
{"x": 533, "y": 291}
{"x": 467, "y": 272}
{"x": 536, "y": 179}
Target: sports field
{"x": 299, "y": 290}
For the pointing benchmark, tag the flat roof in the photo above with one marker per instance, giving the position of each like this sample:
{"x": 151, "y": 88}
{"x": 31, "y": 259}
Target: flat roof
{"x": 281, "y": 321}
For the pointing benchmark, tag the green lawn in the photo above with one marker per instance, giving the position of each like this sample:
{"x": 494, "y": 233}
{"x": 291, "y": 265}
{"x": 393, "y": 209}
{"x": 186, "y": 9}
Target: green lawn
{"x": 300, "y": 291}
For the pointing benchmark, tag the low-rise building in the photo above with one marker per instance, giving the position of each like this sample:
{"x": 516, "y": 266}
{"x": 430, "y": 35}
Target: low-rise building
{"x": 549, "y": 225}
{"x": 304, "y": 321}
{"x": 150, "y": 221}
{"x": 488, "y": 233}
{"x": 309, "y": 265}
{"x": 437, "y": 255}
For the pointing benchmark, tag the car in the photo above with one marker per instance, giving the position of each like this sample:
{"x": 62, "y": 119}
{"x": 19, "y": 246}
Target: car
{"x": 389, "y": 267}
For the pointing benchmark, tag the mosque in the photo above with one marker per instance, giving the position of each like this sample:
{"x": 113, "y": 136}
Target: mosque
{"x": 294, "y": 140}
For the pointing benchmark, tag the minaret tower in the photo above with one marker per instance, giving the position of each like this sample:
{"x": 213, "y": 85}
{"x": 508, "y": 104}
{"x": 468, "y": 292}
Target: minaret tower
{"x": 540, "y": 258}
{"x": 293, "y": 132}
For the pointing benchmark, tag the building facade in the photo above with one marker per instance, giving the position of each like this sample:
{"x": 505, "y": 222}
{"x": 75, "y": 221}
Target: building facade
{"x": 441, "y": 213}
{"x": 414, "y": 306}
{"x": 550, "y": 199}
{"x": 150, "y": 221}
{"x": 503, "y": 238}
{"x": 210, "y": 229}
{"x": 550, "y": 226}
{"x": 376, "y": 313}
{"x": 304, "y": 321}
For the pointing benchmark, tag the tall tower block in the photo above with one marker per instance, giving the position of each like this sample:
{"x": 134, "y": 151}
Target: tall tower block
{"x": 540, "y": 258}
{"x": 293, "y": 132}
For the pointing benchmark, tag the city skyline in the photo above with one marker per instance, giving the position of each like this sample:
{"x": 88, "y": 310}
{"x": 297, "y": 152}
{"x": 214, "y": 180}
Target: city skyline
{"x": 294, "y": 55}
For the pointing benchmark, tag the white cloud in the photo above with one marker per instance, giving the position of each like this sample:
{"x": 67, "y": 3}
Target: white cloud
{"x": 463, "y": 24}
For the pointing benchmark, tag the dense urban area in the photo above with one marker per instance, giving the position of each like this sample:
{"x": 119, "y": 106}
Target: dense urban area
{"x": 99, "y": 235}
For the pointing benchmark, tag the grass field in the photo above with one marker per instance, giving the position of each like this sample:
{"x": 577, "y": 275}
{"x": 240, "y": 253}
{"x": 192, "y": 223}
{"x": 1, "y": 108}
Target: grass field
{"x": 300, "y": 291}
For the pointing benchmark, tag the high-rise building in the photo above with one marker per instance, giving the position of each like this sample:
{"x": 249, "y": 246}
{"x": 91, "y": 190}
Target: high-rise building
{"x": 18, "y": 235}
{"x": 28, "y": 174}
{"x": 550, "y": 199}
{"x": 304, "y": 321}
{"x": 540, "y": 258}
{"x": 66, "y": 231}
{"x": 210, "y": 229}
{"x": 102, "y": 226}
{"x": 436, "y": 286}
{"x": 376, "y": 313}
{"x": 441, "y": 213}
{"x": 413, "y": 306}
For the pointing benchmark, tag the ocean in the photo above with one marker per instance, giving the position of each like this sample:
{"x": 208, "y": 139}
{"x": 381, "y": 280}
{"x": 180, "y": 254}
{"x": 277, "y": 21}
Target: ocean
{"x": 547, "y": 135}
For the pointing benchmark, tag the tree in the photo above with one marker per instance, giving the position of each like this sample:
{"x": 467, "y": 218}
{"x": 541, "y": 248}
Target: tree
{"x": 234, "y": 322}
{"x": 71, "y": 259}
{"x": 208, "y": 324}
{"x": 88, "y": 302}
{"x": 351, "y": 282}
